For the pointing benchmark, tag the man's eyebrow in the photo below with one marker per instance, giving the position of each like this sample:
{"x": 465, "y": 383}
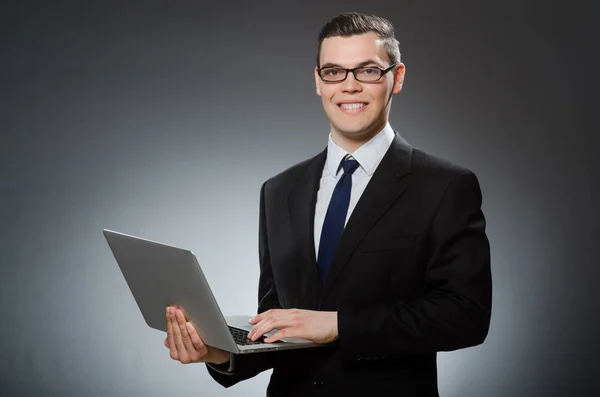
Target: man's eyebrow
{"x": 365, "y": 63}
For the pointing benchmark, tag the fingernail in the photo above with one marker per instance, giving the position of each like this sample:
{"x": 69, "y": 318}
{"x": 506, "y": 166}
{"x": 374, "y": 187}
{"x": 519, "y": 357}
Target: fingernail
{"x": 189, "y": 325}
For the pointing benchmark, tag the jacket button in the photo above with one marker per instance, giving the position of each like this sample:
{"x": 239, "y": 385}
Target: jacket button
{"x": 318, "y": 383}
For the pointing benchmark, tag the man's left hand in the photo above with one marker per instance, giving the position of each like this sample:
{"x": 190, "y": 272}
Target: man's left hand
{"x": 315, "y": 326}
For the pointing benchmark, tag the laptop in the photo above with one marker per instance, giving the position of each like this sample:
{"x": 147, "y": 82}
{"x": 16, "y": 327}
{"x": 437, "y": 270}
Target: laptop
{"x": 161, "y": 275}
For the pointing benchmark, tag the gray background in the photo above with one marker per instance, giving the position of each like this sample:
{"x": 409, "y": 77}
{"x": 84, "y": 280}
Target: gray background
{"x": 162, "y": 119}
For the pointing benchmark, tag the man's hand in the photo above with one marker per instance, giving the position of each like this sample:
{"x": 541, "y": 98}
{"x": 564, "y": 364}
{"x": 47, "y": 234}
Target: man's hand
{"x": 184, "y": 343}
{"x": 316, "y": 326}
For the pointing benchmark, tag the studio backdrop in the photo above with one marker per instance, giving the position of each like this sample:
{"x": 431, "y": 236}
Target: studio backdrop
{"x": 163, "y": 119}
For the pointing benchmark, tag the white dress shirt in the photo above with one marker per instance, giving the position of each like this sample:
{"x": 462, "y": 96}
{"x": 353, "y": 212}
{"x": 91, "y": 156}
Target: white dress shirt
{"x": 369, "y": 156}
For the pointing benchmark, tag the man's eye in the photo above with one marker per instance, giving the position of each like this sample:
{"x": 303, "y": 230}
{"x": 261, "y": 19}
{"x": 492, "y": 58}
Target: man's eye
{"x": 368, "y": 71}
{"x": 331, "y": 72}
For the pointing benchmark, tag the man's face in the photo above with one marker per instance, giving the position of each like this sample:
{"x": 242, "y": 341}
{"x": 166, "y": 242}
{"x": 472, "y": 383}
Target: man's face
{"x": 357, "y": 110}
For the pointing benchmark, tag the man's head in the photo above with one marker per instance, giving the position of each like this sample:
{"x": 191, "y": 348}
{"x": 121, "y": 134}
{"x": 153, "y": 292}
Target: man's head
{"x": 357, "y": 110}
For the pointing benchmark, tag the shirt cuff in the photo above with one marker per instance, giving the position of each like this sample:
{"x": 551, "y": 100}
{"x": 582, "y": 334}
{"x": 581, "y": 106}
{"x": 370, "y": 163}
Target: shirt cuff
{"x": 225, "y": 368}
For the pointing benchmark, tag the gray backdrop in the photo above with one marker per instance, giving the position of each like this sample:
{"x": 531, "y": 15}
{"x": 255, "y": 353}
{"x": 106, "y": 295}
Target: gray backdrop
{"x": 162, "y": 119}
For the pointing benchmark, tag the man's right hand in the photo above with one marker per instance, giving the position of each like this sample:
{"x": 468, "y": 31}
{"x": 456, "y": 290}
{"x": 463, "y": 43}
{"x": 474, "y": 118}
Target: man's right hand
{"x": 185, "y": 344}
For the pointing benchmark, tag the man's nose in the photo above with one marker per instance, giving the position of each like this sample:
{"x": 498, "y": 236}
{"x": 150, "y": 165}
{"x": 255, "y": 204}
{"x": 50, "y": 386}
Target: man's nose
{"x": 351, "y": 84}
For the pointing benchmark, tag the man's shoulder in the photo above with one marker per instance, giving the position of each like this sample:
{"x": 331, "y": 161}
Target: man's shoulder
{"x": 427, "y": 164}
{"x": 436, "y": 174}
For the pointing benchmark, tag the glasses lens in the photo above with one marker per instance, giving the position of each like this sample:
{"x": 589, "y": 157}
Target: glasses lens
{"x": 368, "y": 74}
{"x": 333, "y": 74}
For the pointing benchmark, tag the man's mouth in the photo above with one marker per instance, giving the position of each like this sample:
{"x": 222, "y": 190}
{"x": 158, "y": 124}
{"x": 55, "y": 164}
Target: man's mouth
{"x": 352, "y": 108}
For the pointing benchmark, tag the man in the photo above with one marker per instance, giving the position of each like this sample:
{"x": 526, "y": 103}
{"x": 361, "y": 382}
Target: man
{"x": 372, "y": 244}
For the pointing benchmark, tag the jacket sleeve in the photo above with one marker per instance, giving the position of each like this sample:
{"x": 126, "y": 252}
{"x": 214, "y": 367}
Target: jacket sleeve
{"x": 245, "y": 366}
{"x": 454, "y": 312}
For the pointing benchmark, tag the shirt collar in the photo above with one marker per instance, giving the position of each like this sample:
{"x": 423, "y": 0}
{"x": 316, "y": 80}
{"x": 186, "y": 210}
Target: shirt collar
{"x": 369, "y": 155}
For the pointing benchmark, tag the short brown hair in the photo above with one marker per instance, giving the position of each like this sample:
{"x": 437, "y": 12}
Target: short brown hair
{"x": 353, "y": 23}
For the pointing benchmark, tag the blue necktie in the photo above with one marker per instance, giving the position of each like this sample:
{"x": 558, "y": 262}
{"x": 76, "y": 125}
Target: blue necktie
{"x": 333, "y": 225}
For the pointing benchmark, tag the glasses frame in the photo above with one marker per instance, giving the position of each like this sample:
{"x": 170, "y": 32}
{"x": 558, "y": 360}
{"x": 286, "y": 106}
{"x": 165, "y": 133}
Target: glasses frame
{"x": 383, "y": 72}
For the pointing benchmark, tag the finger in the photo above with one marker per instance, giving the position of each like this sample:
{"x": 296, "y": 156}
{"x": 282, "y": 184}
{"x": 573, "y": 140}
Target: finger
{"x": 181, "y": 350}
{"x": 171, "y": 336}
{"x": 260, "y": 329}
{"x": 268, "y": 325}
{"x": 262, "y": 319}
{"x": 282, "y": 333}
{"x": 185, "y": 335}
{"x": 285, "y": 318}
{"x": 196, "y": 339}
{"x": 256, "y": 318}
{"x": 275, "y": 320}
{"x": 255, "y": 331}
{"x": 259, "y": 317}
{"x": 167, "y": 342}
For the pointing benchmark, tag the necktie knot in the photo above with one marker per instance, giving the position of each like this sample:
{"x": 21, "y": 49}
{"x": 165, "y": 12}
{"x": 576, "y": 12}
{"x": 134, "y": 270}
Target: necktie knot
{"x": 349, "y": 166}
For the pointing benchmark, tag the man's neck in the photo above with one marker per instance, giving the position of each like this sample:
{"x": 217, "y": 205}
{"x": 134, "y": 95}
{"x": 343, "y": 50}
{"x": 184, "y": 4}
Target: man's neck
{"x": 353, "y": 143}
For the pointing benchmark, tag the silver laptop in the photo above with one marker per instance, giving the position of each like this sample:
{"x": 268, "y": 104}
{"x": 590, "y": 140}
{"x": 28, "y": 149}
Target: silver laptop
{"x": 160, "y": 275}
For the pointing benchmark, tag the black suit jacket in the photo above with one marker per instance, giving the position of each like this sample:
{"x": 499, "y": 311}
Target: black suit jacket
{"x": 411, "y": 277}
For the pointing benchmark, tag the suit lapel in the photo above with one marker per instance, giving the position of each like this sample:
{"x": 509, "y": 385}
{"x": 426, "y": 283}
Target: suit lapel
{"x": 301, "y": 200}
{"x": 386, "y": 185}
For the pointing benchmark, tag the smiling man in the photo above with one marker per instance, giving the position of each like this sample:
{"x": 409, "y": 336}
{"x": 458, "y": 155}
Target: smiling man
{"x": 373, "y": 246}
{"x": 358, "y": 108}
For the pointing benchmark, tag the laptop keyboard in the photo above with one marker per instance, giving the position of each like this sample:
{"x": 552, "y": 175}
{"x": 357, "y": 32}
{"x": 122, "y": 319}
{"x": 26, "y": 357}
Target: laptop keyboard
{"x": 241, "y": 337}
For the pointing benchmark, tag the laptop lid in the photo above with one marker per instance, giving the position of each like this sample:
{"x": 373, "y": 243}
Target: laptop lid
{"x": 160, "y": 275}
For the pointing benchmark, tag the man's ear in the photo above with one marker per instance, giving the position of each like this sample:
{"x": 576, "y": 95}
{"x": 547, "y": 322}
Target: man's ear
{"x": 399, "y": 78}
{"x": 317, "y": 81}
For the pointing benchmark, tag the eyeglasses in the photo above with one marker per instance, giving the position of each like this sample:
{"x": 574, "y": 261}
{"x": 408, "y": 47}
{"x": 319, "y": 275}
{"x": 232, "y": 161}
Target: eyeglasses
{"x": 364, "y": 74}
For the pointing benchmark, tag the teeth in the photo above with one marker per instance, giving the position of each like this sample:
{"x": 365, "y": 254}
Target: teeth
{"x": 352, "y": 105}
